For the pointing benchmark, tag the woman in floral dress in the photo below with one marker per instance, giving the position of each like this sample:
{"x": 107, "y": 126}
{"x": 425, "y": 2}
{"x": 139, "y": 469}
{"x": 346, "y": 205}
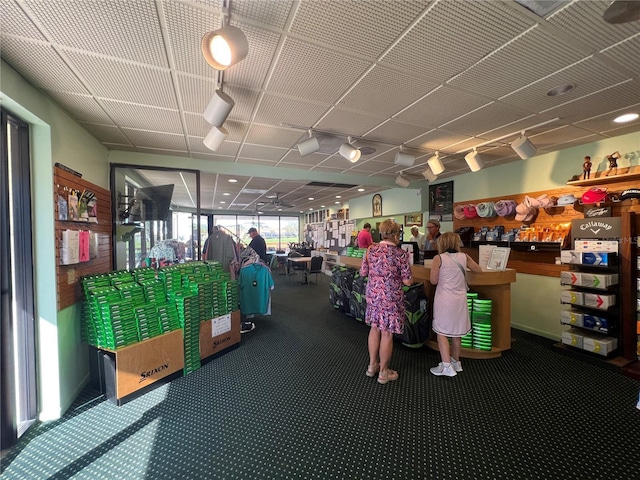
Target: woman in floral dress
{"x": 388, "y": 268}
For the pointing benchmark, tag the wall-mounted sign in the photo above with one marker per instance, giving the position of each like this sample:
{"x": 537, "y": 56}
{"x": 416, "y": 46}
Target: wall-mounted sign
{"x": 441, "y": 201}
{"x": 599, "y": 227}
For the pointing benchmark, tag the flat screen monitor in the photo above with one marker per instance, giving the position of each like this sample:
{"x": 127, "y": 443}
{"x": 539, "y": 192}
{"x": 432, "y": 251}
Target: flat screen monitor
{"x": 413, "y": 249}
{"x": 153, "y": 202}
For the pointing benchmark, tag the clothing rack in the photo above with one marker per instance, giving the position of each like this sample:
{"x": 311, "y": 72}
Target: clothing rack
{"x": 229, "y": 232}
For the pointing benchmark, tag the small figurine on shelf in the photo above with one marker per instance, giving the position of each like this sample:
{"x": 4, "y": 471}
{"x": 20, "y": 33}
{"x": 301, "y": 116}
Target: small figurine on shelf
{"x": 613, "y": 163}
{"x": 586, "y": 168}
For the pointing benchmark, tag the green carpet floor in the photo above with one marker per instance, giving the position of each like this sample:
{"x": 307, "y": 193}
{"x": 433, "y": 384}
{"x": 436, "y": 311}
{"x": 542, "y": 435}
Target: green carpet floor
{"x": 293, "y": 402}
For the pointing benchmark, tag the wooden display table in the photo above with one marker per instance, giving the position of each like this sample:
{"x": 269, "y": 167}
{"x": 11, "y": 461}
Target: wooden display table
{"x": 494, "y": 285}
{"x": 219, "y": 334}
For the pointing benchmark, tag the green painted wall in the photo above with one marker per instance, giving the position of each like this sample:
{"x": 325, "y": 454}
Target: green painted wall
{"x": 61, "y": 357}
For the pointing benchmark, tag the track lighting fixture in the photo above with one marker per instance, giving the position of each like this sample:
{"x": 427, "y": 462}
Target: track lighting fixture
{"x": 436, "y": 164}
{"x": 402, "y": 181}
{"x": 218, "y": 108}
{"x": 309, "y": 146}
{"x": 215, "y": 137}
{"x": 224, "y": 47}
{"x": 429, "y": 175}
{"x": 350, "y": 152}
{"x": 523, "y": 147}
{"x": 404, "y": 159}
{"x": 474, "y": 161}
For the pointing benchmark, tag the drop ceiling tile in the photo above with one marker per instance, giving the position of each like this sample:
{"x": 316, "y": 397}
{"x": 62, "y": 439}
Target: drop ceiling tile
{"x": 327, "y": 169}
{"x": 143, "y": 117}
{"x": 237, "y": 130}
{"x": 626, "y": 53}
{"x": 555, "y": 136}
{"x": 136, "y": 83}
{"x": 195, "y": 92}
{"x": 280, "y": 111}
{"x": 395, "y": 133}
{"x": 258, "y": 161}
{"x": 437, "y": 140}
{"x": 212, "y": 156}
{"x": 128, "y": 30}
{"x": 50, "y": 69}
{"x": 227, "y": 149}
{"x": 348, "y": 122}
{"x": 245, "y": 102}
{"x": 484, "y": 119}
{"x": 453, "y": 36}
{"x": 81, "y": 107}
{"x": 106, "y": 133}
{"x": 163, "y": 141}
{"x": 273, "y": 14}
{"x": 526, "y": 59}
{"x": 15, "y": 22}
{"x": 197, "y": 126}
{"x": 279, "y": 137}
{"x": 162, "y": 151}
{"x": 303, "y": 70}
{"x": 604, "y": 122}
{"x": 262, "y": 152}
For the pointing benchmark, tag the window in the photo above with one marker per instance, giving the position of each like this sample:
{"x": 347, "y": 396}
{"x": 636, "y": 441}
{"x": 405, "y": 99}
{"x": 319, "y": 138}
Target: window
{"x": 277, "y": 231}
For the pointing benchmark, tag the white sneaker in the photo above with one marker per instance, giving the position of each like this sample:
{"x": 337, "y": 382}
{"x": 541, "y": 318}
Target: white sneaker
{"x": 441, "y": 370}
{"x": 457, "y": 366}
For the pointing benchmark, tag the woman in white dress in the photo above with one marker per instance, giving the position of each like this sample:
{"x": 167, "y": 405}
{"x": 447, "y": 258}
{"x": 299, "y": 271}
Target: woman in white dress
{"x": 450, "y": 311}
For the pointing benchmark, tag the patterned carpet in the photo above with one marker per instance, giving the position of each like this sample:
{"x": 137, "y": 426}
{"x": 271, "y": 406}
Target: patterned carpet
{"x": 292, "y": 402}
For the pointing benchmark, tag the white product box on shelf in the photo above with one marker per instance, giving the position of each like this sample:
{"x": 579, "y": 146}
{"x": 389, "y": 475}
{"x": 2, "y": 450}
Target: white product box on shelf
{"x": 599, "y": 280}
{"x": 601, "y": 346}
{"x": 577, "y": 257}
{"x": 571, "y": 256}
{"x": 570, "y": 296}
{"x": 571, "y": 278}
{"x": 596, "y": 300}
{"x": 596, "y": 245}
{"x": 569, "y": 317}
{"x": 573, "y": 337}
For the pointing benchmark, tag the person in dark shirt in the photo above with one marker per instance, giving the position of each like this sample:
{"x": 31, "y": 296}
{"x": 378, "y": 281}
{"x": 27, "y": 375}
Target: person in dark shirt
{"x": 258, "y": 244}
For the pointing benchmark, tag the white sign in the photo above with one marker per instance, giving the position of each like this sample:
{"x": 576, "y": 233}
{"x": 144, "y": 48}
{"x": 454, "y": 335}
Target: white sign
{"x": 220, "y": 325}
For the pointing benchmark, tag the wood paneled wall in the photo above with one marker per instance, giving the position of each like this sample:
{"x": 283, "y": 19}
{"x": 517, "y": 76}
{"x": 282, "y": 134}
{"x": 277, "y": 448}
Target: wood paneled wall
{"x": 542, "y": 263}
{"x": 68, "y": 276}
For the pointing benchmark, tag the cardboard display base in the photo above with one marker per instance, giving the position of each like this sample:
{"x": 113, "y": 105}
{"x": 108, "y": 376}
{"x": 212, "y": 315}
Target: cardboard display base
{"x": 218, "y": 334}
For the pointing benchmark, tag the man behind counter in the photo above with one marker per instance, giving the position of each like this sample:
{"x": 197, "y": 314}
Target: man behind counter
{"x": 433, "y": 232}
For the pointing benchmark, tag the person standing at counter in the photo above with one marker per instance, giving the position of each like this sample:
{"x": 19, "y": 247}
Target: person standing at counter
{"x": 387, "y": 267}
{"x": 450, "y": 311}
{"x": 418, "y": 237}
{"x": 364, "y": 239}
{"x": 433, "y": 233}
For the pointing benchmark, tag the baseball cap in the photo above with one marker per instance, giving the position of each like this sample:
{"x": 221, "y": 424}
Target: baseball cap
{"x": 524, "y": 213}
{"x": 594, "y": 195}
{"x": 630, "y": 193}
{"x": 470, "y": 211}
{"x": 505, "y": 207}
{"x": 566, "y": 200}
{"x": 252, "y": 230}
{"x": 486, "y": 209}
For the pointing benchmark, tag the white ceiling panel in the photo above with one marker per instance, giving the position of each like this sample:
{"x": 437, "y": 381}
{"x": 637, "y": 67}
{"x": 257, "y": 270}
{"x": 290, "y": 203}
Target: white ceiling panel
{"x": 280, "y": 111}
{"x": 14, "y": 21}
{"x": 141, "y": 116}
{"x": 485, "y": 119}
{"x": 279, "y": 137}
{"x": 261, "y": 152}
{"x": 165, "y": 141}
{"x": 109, "y": 133}
{"x": 341, "y": 121}
{"x": 82, "y": 107}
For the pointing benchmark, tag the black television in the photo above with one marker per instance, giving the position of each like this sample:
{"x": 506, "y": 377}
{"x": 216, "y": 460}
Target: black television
{"x": 413, "y": 249}
{"x": 152, "y": 203}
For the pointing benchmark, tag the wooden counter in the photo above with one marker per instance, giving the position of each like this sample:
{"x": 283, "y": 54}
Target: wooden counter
{"x": 489, "y": 284}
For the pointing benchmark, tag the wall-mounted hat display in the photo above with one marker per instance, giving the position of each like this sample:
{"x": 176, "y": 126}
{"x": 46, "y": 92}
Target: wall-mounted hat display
{"x": 630, "y": 193}
{"x": 594, "y": 195}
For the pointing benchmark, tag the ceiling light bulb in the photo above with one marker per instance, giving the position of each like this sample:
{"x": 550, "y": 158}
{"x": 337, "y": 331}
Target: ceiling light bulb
{"x": 402, "y": 181}
{"x": 350, "y": 152}
{"x": 627, "y": 117}
{"x": 224, "y": 47}
{"x": 436, "y": 164}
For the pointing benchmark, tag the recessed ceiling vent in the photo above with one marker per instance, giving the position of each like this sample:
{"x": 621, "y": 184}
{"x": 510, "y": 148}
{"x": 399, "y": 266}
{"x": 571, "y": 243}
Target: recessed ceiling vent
{"x": 331, "y": 185}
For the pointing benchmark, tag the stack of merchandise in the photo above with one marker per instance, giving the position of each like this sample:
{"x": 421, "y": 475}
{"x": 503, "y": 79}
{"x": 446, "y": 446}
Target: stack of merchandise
{"x": 119, "y": 277}
{"x": 350, "y": 251}
{"x": 142, "y": 275}
{"x": 168, "y": 317}
{"x": 231, "y": 295}
{"x": 154, "y": 291}
{"x": 171, "y": 277}
{"x": 481, "y": 324}
{"x": 132, "y": 291}
{"x": 467, "y": 340}
{"x": 360, "y": 252}
{"x": 189, "y": 315}
{"x": 112, "y": 319}
{"x": 358, "y": 302}
{"x": 148, "y": 324}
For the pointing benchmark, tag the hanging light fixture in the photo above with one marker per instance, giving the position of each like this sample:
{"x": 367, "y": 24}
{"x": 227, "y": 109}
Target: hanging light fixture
{"x": 215, "y": 137}
{"x": 523, "y": 147}
{"x": 218, "y": 108}
{"x": 224, "y": 47}
{"x": 350, "y": 152}
{"x": 436, "y": 164}
{"x": 309, "y": 146}
{"x": 404, "y": 159}
{"x": 474, "y": 161}
{"x": 429, "y": 175}
{"x": 402, "y": 181}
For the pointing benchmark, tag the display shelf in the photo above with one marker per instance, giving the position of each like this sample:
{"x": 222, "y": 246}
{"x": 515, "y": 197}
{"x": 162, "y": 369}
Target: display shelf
{"x": 598, "y": 178}
{"x": 522, "y": 246}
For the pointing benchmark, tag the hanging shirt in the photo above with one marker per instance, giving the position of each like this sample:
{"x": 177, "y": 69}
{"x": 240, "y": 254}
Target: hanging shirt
{"x": 255, "y": 283}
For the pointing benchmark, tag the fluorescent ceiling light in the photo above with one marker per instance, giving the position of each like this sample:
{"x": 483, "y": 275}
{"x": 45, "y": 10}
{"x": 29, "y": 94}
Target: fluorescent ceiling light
{"x": 627, "y": 117}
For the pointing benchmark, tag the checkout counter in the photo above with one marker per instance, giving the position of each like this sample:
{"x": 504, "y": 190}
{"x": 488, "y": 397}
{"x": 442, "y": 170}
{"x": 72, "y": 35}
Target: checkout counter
{"x": 494, "y": 285}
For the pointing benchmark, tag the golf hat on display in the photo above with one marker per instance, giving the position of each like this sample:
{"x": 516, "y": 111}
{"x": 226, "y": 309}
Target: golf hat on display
{"x": 505, "y": 208}
{"x": 566, "y": 200}
{"x": 594, "y": 195}
{"x": 630, "y": 193}
{"x": 470, "y": 211}
{"x": 458, "y": 212}
{"x": 525, "y": 213}
{"x": 486, "y": 209}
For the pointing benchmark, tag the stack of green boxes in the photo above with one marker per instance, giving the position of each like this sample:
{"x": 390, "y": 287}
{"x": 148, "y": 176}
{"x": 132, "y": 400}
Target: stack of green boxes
{"x": 467, "y": 340}
{"x": 188, "y": 313}
{"x": 232, "y": 295}
{"x": 147, "y": 318}
{"x": 132, "y": 291}
{"x": 481, "y": 324}
{"x": 168, "y": 317}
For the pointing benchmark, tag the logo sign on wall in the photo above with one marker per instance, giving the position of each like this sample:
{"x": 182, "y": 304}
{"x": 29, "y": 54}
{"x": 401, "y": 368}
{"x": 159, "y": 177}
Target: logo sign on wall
{"x": 594, "y": 212}
{"x": 597, "y": 227}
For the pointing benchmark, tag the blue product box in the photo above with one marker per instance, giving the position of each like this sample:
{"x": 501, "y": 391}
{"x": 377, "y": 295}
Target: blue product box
{"x": 595, "y": 258}
{"x": 596, "y": 323}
